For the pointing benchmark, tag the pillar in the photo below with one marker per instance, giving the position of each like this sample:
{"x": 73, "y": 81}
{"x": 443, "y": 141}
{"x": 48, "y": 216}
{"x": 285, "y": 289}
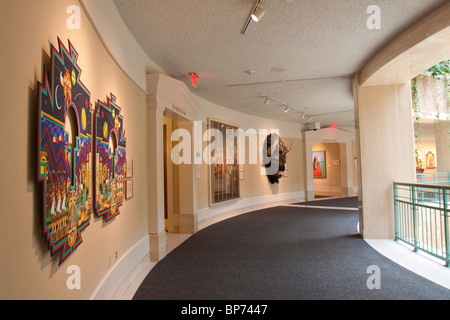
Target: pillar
{"x": 187, "y": 186}
{"x": 156, "y": 180}
{"x": 385, "y": 137}
{"x": 442, "y": 135}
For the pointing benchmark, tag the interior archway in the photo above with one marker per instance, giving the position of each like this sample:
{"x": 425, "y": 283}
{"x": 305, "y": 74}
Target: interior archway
{"x": 71, "y": 127}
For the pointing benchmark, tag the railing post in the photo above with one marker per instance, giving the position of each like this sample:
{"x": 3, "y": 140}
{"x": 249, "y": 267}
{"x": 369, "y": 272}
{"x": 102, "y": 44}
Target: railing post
{"x": 415, "y": 227}
{"x": 396, "y": 211}
{"x": 446, "y": 229}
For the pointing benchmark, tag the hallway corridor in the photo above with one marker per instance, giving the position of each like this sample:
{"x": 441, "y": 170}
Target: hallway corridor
{"x": 303, "y": 251}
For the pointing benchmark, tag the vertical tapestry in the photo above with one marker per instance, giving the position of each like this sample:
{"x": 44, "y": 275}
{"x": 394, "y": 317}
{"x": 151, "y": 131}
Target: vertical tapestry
{"x": 64, "y": 168}
{"x": 110, "y": 159}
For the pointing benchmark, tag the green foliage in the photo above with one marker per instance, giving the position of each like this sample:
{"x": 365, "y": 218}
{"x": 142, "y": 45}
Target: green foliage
{"x": 441, "y": 69}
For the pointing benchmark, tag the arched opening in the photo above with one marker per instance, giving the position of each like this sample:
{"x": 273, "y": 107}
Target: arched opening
{"x": 177, "y": 197}
{"x": 336, "y": 151}
{"x": 113, "y": 149}
{"x": 71, "y": 127}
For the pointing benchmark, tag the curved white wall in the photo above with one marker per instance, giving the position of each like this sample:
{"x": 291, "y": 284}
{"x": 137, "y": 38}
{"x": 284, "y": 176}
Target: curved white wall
{"x": 121, "y": 44}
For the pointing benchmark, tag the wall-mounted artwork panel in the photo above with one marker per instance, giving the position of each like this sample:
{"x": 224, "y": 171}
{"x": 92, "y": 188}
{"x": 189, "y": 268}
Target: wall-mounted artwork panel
{"x": 64, "y": 151}
{"x": 110, "y": 159}
{"x": 275, "y": 150}
{"x": 225, "y": 168}
{"x": 319, "y": 164}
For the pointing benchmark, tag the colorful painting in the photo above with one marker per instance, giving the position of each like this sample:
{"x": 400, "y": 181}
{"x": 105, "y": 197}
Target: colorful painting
{"x": 64, "y": 168}
{"x": 110, "y": 161}
{"x": 431, "y": 162}
{"x": 319, "y": 165}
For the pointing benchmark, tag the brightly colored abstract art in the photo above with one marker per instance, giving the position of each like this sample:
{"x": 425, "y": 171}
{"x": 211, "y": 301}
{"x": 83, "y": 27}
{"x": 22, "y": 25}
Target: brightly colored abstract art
{"x": 110, "y": 161}
{"x": 65, "y": 163}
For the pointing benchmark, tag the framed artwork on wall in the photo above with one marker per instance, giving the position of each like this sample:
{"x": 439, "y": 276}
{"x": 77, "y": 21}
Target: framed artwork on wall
{"x": 110, "y": 159}
{"x": 129, "y": 172}
{"x": 431, "y": 161}
{"x": 129, "y": 189}
{"x": 319, "y": 165}
{"x": 64, "y": 151}
{"x": 225, "y": 174}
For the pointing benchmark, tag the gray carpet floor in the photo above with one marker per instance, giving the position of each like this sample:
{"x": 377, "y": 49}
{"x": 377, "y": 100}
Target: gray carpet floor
{"x": 351, "y": 202}
{"x": 283, "y": 253}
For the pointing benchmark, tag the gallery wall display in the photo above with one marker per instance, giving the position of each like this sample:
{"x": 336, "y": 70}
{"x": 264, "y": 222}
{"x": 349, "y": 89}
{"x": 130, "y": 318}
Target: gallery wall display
{"x": 225, "y": 169}
{"x": 65, "y": 161}
{"x": 64, "y": 167}
{"x": 319, "y": 165}
{"x": 430, "y": 159}
{"x": 110, "y": 159}
{"x": 276, "y": 150}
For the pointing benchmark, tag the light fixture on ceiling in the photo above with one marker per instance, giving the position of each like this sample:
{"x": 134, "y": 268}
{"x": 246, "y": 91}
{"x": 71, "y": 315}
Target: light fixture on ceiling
{"x": 258, "y": 14}
{"x": 286, "y": 107}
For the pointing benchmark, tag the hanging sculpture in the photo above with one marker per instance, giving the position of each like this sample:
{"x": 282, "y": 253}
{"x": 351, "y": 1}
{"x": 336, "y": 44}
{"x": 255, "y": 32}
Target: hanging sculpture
{"x": 276, "y": 151}
{"x": 64, "y": 169}
{"x": 110, "y": 159}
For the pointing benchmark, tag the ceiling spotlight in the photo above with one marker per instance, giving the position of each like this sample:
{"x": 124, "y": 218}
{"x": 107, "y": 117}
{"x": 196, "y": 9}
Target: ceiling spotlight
{"x": 258, "y": 14}
{"x": 255, "y": 14}
{"x": 286, "y": 109}
{"x": 303, "y": 116}
{"x": 267, "y": 101}
{"x": 310, "y": 118}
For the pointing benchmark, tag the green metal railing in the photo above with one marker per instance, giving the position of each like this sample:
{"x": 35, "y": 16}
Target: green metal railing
{"x": 442, "y": 179}
{"x": 422, "y": 218}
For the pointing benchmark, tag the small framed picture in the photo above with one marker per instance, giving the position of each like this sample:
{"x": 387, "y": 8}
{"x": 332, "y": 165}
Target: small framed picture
{"x": 129, "y": 189}
{"x": 129, "y": 168}
{"x": 319, "y": 165}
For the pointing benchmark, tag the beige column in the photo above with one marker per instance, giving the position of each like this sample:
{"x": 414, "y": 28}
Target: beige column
{"x": 346, "y": 169}
{"x": 442, "y": 135}
{"x": 385, "y": 135}
{"x": 156, "y": 179}
{"x": 187, "y": 184}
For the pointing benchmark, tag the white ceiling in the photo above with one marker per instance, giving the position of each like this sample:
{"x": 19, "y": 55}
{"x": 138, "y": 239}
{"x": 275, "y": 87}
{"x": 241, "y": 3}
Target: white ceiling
{"x": 303, "y": 52}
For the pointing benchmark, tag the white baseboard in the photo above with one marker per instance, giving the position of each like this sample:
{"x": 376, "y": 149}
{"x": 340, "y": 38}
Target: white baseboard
{"x": 121, "y": 271}
{"x": 242, "y": 204}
